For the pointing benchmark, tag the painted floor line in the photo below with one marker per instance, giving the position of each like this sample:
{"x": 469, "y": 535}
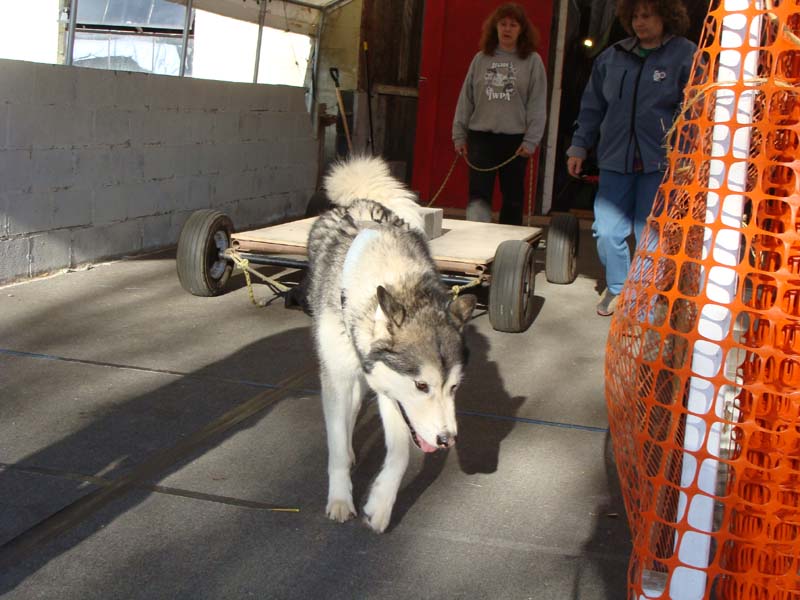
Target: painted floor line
{"x": 98, "y": 363}
{"x": 160, "y": 489}
{"x": 260, "y": 385}
{"x": 471, "y": 413}
{"x": 77, "y": 512}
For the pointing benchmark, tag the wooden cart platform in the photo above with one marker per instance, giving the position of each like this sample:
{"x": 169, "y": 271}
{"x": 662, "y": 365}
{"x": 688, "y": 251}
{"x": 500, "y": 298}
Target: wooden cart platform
{"x": 467, "y": 253}
{"x": 464, "y": 246}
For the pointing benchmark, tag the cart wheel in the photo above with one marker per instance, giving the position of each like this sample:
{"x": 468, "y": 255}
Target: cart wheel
{"x": 317, "y": 204}
{"x": 561, "y": 258}
{"x": 511, "y": 290}
{"x": 201, "y": 268}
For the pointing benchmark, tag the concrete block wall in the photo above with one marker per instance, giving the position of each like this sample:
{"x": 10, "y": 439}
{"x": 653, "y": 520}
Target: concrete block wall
{"x": 100, "y": 164}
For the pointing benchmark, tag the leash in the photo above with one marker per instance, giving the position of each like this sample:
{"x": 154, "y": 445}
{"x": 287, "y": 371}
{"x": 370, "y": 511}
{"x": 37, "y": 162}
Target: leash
{"x": 486, "y": 170}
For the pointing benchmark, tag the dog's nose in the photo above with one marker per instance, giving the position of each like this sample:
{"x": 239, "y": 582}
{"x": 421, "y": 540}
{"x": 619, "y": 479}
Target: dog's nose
{"x": 445, "y": 440}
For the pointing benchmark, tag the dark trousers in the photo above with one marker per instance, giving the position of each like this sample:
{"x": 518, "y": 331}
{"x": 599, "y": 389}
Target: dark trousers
{"x": 485, "y": 150}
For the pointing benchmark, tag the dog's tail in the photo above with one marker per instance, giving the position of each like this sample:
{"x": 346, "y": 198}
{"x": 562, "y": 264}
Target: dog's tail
{"x": 368, "y": 178}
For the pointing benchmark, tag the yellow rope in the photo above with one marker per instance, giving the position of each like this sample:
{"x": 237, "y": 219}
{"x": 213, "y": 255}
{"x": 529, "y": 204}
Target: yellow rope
{"x": 457, "y": 289}
{"x": 244, "y": 265}
{"x": 482, "y": 170}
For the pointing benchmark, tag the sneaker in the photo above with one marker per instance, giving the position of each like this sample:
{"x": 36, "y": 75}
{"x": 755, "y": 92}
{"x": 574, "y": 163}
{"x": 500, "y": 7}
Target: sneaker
{"x": 607, "y": 304}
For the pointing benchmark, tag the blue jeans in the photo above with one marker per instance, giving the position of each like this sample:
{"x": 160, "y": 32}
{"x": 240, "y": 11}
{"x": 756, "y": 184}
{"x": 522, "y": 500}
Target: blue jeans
{"x": 623, "y": 203}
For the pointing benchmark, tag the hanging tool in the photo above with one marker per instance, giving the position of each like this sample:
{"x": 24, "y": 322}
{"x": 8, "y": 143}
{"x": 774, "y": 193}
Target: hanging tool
{"x": 369, "y": 99}
{"x": 335, "y": 76}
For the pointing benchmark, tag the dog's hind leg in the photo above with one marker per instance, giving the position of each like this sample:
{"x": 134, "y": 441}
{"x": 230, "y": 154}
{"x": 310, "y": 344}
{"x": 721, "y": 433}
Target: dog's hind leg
{"x": 337, "y": 393}
{"x": 378, "y": 510}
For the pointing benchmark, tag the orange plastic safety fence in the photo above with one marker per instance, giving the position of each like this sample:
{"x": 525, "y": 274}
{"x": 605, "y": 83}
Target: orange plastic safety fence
{"x": 703, "y": 357}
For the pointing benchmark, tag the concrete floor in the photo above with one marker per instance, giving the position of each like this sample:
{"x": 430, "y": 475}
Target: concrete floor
{"x": 146, "y": 435}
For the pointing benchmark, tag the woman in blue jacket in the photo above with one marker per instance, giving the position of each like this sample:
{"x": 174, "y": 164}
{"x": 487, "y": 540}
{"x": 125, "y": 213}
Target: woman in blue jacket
{"x": 632, "y": 97}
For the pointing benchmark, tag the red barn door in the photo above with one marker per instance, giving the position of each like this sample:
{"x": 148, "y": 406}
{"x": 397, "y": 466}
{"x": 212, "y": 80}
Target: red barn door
{"x": 451, "y": 32}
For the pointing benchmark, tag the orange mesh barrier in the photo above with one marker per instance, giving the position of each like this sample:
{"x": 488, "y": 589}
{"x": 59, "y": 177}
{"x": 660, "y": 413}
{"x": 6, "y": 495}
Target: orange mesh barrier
{"x": 703, "y": 357}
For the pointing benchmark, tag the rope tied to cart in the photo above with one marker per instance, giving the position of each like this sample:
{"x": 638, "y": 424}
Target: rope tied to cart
{"x": 457, "y": 289}
{"x": 486, "y": 170}
{"x": 244, "y": 264}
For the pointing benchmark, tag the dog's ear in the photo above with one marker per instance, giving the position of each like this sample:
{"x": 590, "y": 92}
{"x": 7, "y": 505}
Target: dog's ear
{"x": 461, "y": 308}
{"x": 391, "y": 308}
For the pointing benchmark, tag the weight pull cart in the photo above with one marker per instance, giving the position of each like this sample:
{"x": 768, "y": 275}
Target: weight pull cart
{"x": 467, "y": 253}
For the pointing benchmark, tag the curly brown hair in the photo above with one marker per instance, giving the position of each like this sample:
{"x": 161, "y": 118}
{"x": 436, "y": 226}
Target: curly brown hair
{"x": 528, "y": 40}
{"x": 672, "y": 12}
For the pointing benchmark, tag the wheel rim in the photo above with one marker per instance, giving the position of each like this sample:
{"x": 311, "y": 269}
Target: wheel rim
{"x": 217, "y": 264}
{"x": 527, "y": 284}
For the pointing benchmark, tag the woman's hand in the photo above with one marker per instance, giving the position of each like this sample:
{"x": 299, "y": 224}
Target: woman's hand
{"x": 524, "y": 152}
{"x": 461, "y": 148}
{"x": 574, "y": 166}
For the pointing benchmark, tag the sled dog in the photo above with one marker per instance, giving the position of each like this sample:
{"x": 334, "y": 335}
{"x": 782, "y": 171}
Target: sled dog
{"x": 382, "y": 321}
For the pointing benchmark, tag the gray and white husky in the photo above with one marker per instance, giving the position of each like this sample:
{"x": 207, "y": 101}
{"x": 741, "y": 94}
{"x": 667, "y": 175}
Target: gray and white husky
{"x": 383, "y": 320}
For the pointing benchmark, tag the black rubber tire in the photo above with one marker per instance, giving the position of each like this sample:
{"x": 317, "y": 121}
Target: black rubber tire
{"x": 201, "y": 270}
{"x": 318, "y": 204}
{"x": 511, "y": 290}
{"x": 561, "y": 256}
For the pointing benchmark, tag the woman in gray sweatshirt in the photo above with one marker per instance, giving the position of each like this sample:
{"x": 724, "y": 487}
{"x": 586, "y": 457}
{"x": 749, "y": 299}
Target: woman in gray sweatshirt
{"x": 501, "y": 112}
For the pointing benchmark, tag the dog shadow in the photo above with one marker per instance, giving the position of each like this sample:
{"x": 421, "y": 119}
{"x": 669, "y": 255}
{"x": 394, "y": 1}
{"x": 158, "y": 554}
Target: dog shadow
{"x": 484, "y": 421}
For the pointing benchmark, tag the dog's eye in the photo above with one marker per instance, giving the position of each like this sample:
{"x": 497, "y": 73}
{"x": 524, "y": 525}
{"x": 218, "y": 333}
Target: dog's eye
{"x": 453, "y": 389}
{"x": 421, "y": 386}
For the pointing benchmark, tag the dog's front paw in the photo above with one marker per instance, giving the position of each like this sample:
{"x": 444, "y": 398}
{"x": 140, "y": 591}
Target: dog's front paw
{"x": 340, "y": 510}
{"x": 378, "y": 513}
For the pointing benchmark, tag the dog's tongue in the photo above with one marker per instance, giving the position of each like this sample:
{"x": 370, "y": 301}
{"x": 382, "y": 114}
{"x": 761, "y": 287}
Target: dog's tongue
{"x": 425, "y": 446}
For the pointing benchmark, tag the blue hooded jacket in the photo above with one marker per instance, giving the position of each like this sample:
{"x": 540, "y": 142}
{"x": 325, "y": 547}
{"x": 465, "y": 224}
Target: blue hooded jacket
{"x": 631, "y": 101}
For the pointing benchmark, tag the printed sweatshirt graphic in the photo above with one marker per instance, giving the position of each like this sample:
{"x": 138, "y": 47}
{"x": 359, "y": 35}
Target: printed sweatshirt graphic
{"x": 503, "y": 94}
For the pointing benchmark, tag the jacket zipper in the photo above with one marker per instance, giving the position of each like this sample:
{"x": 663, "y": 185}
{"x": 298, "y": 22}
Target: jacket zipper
{"x": 633, "y": 110}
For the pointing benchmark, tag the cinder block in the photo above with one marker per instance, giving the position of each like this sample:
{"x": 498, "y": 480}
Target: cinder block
{"x": 72, "y": 207}
{"x": 14, "y": 259}
{"x": 4, "y": 214}
{"x": 215, "y": 94}
{"x": 30, "y": 212}
{"x": 432, "y": 218}
{"x": 274, "y": 97}
{"x": 227, "y": 187}
{"x": 50, "y": 251}
{"x": 95, "y": 87}
{"x": 55, "y": 84}
{"x": 16, "y": 81}
{"x": 226, "y": 127}
{"x": 201, "y": 159}
{"x": 191, "y": 93}
{"x": 71, "y": 126}
{"x": 164, "y": 92}
{"x": 53, "y": 168}
{"x": 296, "y": 101}
{"x": 16, "y": 170}
{"x": 169, "y": 194}
{"x": 3, "y": 126}
{"x": 112, "y": 126}
{"x": 262, "y": 210}
{"x": 249, "y": 126}
{"x": 201, "y": 126}
{"x": 163, "y": 162}
{"x": 94, "y": 168}
{"x": 110, "y": 204}
{"x": 159, "y": 231}
{"x": 93, "y": 244}
{"x": 30, "y": 126}
{"x": 199, "y": 195}
{"x": 128, "y": 163}
{"x": 131, "y": 90}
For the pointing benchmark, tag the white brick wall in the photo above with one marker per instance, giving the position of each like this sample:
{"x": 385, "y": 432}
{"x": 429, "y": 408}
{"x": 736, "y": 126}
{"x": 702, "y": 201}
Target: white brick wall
{"x": 99, "y": 164}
